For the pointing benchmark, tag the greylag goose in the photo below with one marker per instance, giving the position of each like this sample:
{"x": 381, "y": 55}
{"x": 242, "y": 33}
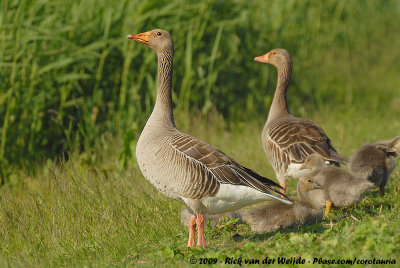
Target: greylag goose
{"x": 341, "y": 188}
{"x": 185, "y": 168}
{"x": 375, "y": 162}
{"x": 288, "y": 140}
{"x": 275, "y": 216}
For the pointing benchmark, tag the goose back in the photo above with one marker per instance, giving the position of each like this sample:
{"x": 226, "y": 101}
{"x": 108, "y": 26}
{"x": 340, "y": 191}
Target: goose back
{"x": 290, "y": 140}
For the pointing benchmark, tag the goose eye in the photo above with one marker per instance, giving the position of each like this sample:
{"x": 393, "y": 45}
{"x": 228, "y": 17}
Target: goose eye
{"x": 158, "y": 34}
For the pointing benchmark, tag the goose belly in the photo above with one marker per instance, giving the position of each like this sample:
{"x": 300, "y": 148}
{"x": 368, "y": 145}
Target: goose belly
{"x": 294, "y": 171}
{"x": 173, "y": 173}
{"x": 232, "y": 197}
{"x": 158, "y": 181}
{"x": 156, "y": 168}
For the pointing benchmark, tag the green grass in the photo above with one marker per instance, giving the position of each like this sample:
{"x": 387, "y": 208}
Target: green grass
{"x": 92, "y": 211}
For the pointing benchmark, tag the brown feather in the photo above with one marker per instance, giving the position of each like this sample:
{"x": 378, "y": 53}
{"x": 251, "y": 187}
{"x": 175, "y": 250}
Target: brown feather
{"x": 219, "y": 165}
{"x": 294, "y": 139}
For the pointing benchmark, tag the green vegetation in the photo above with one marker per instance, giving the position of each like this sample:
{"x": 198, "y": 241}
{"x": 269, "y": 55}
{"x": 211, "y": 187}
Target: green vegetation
{"x": 69, "y": 74}
{"x": 75, "y": 93}
{"x": 102, "y": 214}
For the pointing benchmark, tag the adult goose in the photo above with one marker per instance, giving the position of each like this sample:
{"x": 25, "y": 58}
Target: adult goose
{"x": 375, "y": 162}
{"x": 188, "y": 169}
{"x": 288, "y": 140}
{"x": 341, "y": 188}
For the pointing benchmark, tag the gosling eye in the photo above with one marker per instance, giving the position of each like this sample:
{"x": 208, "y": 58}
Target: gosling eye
{"x": 309, "y": 181}
{"x": 158, "y": 34}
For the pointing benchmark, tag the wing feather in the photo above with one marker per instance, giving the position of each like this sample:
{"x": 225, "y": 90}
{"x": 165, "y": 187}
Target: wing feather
{"x": 218, "y": 166}
{"x": 291, "y": 140}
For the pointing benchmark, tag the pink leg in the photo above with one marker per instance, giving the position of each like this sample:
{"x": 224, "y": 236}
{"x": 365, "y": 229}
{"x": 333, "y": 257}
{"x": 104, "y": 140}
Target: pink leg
{"x": 283, "y": 191}
{"x": 201, "y": 240}
{"x": 192, "y": 231}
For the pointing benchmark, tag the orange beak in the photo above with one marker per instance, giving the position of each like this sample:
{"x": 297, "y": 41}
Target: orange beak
{"x": 263, "y": 58}
{"x": 141, "y": 37}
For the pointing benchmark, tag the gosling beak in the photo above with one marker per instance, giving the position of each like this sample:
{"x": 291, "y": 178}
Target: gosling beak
{"x": 141, "y": 37}
{"x": 263, "y": 58}
{"x": 318, "y": 186}
{"x": 302, "y": 167}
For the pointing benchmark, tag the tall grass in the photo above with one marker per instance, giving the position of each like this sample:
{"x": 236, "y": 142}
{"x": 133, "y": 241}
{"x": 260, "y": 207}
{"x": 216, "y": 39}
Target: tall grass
{"x": 77, "y": 214}
{"x": 69, "y": 75}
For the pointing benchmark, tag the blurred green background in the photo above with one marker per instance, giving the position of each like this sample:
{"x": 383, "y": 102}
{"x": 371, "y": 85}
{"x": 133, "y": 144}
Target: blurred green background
{"x": 70, "y": 78}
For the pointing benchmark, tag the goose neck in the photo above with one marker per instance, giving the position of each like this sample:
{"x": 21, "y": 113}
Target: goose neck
{"x": 279, "y": 106}
{"x": 303, "y": 195}
{"x": 163, "y": 106}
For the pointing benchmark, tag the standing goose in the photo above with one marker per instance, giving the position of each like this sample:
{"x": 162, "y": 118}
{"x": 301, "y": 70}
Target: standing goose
{"x": 375, "y": 162}
{"x": 185, "y": 168}
{"x": 288, "y": 140}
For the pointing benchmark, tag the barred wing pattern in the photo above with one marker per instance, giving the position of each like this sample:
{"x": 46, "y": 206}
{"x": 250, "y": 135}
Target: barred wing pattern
{"x": 214, "y": 165}
{"x": 291, "y": 140}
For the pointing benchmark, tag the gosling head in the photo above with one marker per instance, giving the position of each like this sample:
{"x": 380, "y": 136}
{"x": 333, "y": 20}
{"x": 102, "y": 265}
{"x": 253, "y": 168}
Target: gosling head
{"x": 159, "y": 40}
{"x": 394, "y": 145}
{"x": 313, "y": 161}
{"x": 307, "y": 184}
{"x": 390, "y": 148}
{"x": 276, "y": 57}
{"x": 397, "y": 145}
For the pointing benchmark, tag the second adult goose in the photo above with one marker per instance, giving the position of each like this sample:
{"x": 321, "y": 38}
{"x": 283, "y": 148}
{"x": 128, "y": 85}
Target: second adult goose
{"x": 375, "y": 162}
{"x": 288, "y": 140}
{"x": 188, "y": 169}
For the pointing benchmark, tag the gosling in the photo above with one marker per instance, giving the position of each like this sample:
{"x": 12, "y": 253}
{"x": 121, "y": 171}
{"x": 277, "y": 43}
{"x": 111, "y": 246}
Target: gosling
{"x": 276, "y": 216}
{"x": 375, "y": 162}
{"x": 341, "y": 188}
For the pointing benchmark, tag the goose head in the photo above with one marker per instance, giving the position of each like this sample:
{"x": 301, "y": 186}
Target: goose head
{"x": 389, "y": 148}
{"x": 307, "y": 184}
{"x": 276, "y": 57}
{"x": 393, "y": 146}
{"x": 159, "y": 40}
{"x": 397, "y": 145}
{"x": 313, "y": 161}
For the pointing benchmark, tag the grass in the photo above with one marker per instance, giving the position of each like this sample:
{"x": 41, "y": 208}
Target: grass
{"x": 75, "y": 94}
{"x": 92, "y": 211}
